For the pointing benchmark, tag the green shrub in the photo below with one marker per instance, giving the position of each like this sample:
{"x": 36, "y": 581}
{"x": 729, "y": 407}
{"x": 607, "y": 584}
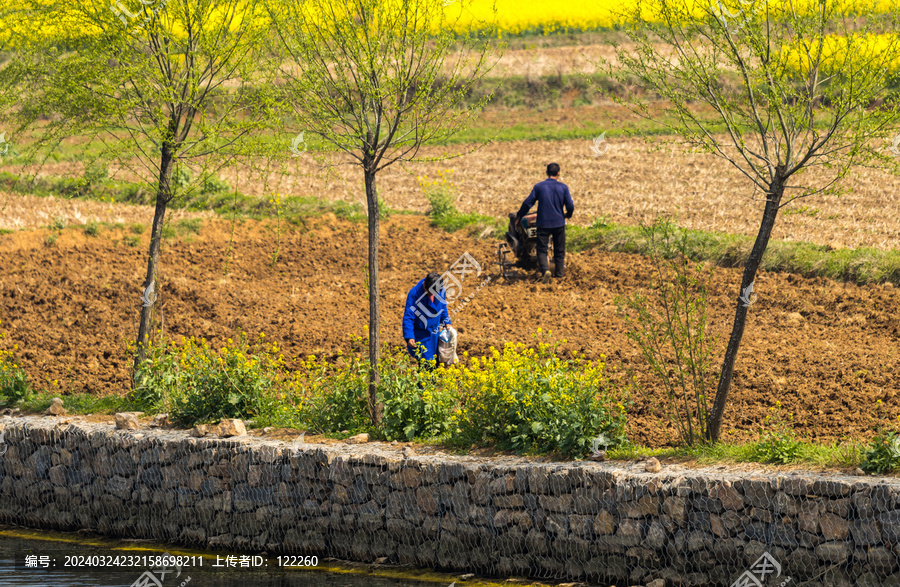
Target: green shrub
{"x": 384, "y": 211}
{"x": 778, "y": 442}
{"x": 883, "y": 455}
{"x": 669, "y": 326}
{"x": 335, "y": 396}
{"x": 531, "y": 400}
{"x": 14, "y": 385}
{"x": 417, "y": 403}
{"x": 196, "y": 383}
{"x": 157, "y": 376}
{"x": 441, "y": 204}
{"x": 214, "y": 185}
{"x": 94, "y": 174}
{"x": 181, "y": 178}
{"x": 441, "y": 195}
{"x": 525, "y": 400}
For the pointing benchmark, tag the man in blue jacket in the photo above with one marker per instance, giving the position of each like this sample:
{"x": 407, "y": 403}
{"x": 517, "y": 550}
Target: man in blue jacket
{"x": 554, "y": 206}
{"x": 424, "y": 317}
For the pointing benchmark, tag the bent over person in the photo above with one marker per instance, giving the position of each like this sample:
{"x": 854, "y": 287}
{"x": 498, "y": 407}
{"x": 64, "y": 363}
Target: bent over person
{"x": 424, "y": 317}
{"x": 554, "y": 206}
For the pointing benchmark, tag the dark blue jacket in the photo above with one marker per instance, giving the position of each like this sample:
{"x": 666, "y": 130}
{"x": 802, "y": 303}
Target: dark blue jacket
{"x": 552, "y": 196}
{"x": 422, "y": 320}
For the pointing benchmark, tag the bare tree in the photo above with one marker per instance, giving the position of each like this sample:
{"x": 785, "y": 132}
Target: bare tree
{"x": 800, "y": 95}
{"x": 376, "y": 80}
{"x": 161, "y": 84}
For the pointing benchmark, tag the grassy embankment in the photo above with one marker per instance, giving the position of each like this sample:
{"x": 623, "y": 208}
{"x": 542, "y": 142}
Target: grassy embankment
{"x": 844, "y": 455}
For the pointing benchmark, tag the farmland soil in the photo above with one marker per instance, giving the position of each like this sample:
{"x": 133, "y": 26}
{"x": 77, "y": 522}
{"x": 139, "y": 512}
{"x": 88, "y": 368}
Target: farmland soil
{"x": 827, "y": 351}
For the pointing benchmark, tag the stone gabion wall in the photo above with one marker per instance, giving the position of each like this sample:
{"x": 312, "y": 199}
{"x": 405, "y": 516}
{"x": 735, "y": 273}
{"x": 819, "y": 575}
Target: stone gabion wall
{"x": 597, "y": 522}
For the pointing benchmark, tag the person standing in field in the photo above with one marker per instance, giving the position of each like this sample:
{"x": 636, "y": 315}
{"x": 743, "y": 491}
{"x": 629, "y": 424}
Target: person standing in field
{"x": 424, "y": 317}
{"x": 555, "y": 205}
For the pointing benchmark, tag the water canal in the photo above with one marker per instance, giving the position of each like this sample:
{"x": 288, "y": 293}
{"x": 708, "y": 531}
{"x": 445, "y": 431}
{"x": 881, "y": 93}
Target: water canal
{"x": 53, "y": 559}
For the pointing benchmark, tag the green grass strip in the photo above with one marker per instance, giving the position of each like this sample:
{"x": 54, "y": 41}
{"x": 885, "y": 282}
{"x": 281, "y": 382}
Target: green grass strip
{"x": 840, "y": 455}
{"x": 862, "y": 266}
{"x": 225, "y": 201}
{"x": 76, "y": 403}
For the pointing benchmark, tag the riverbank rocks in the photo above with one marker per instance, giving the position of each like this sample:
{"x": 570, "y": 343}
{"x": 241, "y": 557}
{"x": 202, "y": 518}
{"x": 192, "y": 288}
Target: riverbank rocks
{"x": 200, "y": 430}
{"x": 127, "y": 420}
{"x": 56, "y": 408}
{"x": 596, "y": 523}
{"x": 231, "y": 427}
{"x": 160, "y": 421}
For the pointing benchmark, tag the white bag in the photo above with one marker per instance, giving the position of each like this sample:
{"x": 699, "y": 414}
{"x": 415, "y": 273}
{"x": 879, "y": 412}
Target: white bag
{"x": 447, "y": 347}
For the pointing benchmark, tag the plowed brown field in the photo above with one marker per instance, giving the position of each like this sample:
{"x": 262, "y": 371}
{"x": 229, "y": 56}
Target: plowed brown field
{"x": 826, "y": 350}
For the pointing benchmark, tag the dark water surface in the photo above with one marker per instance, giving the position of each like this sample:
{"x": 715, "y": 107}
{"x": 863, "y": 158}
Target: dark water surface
{"x": 58, "y": 560}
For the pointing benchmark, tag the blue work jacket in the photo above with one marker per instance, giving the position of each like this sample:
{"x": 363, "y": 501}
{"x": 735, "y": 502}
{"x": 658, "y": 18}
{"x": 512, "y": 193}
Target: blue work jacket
{"x": 423, "y": 319}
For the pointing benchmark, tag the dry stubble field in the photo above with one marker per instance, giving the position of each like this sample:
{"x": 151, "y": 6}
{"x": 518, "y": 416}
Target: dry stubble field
{"x": 632, "y": 182}
{"x": 22, "y": 211}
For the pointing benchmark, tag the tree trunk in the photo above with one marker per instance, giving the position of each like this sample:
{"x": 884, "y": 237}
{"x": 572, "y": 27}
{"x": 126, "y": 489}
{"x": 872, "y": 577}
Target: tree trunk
{"x": 375, "y": 407}
{"x": 773, "y": 201}
{"x": 149, "y": 296}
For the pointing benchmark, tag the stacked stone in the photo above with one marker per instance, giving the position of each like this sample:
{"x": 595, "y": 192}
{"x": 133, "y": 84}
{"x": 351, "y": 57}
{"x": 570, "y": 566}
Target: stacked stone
{"x": 596, "y": 522}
